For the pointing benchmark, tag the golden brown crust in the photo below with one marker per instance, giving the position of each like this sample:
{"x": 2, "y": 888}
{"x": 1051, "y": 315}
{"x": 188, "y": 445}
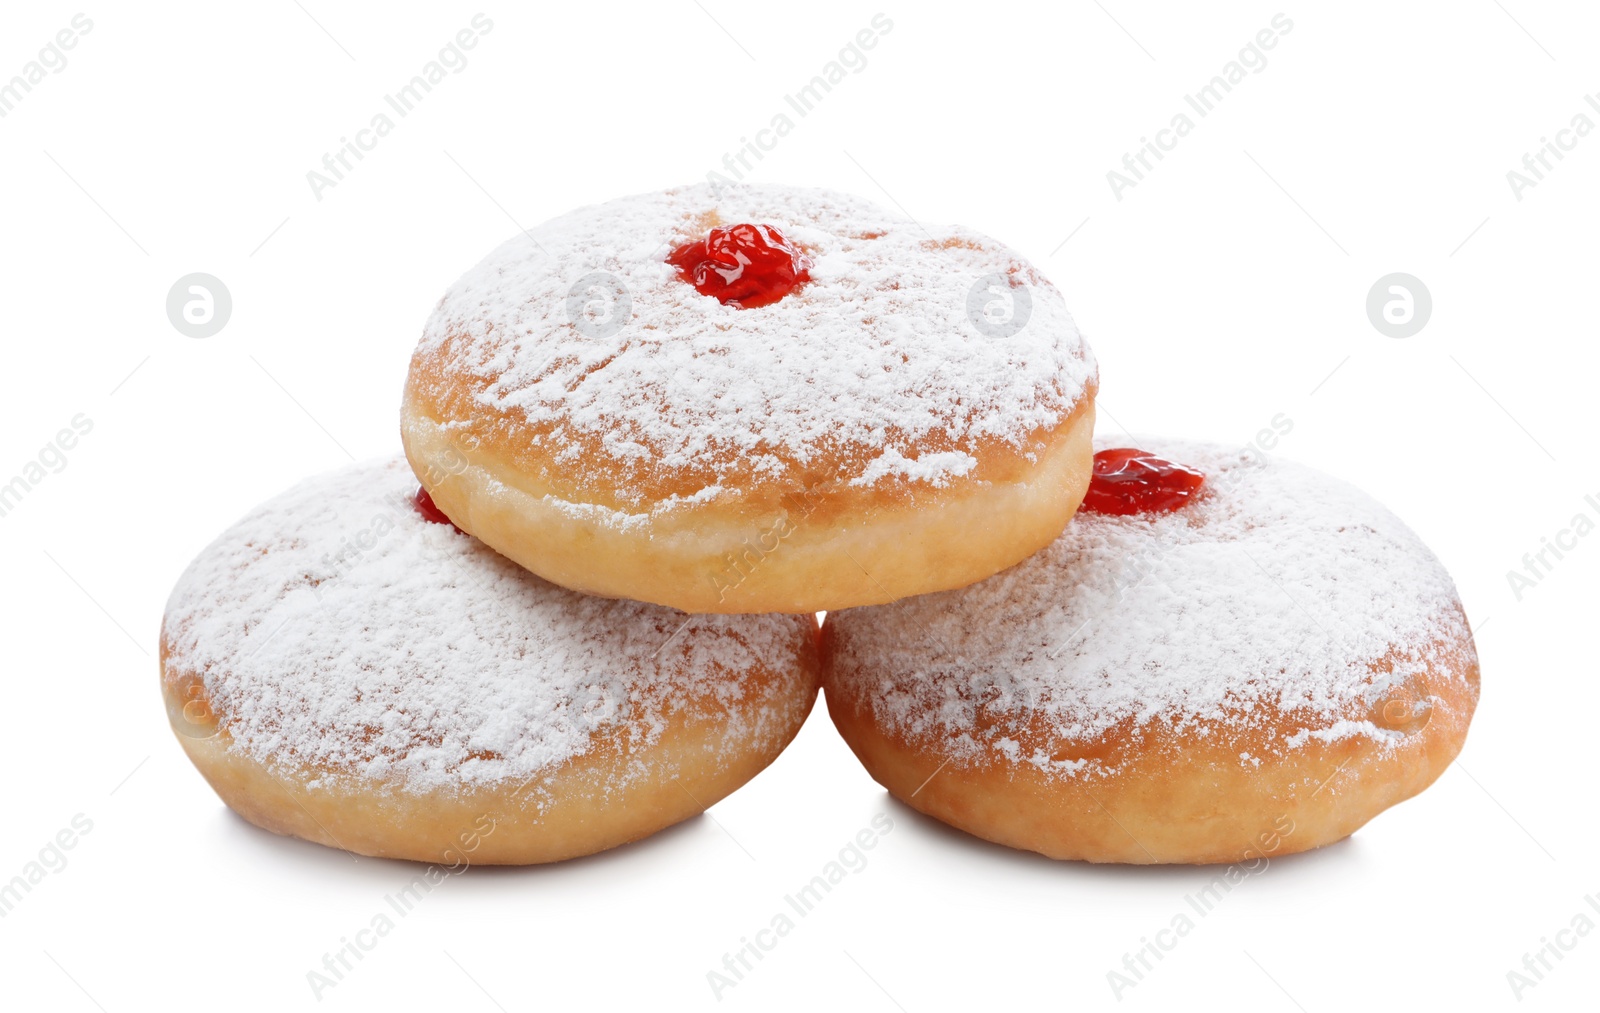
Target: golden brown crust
{"x": 439, "y": 390}
{"x": 807, "y": 549}
{"x": 1160, "y": 796}
{"x": 607, "y": 796}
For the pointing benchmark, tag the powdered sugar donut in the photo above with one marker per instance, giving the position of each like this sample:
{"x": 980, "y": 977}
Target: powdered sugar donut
{"x": 772, "y": 399}
{"x": 344, "y": 670}
{"x": 1258, "y": 667}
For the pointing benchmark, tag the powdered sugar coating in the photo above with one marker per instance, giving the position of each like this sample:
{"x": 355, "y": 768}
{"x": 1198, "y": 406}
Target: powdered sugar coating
{"x": 877, "y": 360}
{"x": 1280, "y": 600}
{"x": 335, "y": 627}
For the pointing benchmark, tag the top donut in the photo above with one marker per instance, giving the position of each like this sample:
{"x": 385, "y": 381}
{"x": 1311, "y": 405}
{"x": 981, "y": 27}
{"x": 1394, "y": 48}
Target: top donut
{"x": 580, "y": 368}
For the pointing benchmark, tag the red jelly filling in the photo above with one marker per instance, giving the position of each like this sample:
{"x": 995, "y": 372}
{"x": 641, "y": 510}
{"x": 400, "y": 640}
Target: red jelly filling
{"x": 742, "y": 265}
{"x": 1129, "y": 481}
{"x": 429, "y": 511}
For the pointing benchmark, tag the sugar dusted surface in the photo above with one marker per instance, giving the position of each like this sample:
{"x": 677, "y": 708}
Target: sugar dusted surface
{"x": 1279, "y": 600}
{"x": 874, "y": 362}
{"x": 334, "y": 627}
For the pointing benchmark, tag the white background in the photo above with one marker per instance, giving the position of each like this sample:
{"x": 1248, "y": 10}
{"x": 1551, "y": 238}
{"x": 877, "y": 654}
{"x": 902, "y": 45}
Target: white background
{"x": 1227, "y": 287}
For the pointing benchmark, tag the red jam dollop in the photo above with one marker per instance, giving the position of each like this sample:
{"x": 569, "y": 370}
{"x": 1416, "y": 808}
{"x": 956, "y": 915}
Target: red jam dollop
{"x": 742, "y": 265}
{"x": 1129, "y": 481}
{"x": 429, "y": 511}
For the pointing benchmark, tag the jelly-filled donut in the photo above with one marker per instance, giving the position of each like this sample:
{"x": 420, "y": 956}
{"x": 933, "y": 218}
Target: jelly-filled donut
{"x": 763, "y": 399}
{"x": 345, "y": 668}
{"x": 1223, "y": 656}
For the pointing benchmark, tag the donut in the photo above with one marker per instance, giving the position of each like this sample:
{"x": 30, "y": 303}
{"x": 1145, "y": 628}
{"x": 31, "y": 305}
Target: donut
{"x": 1224, "y": 657}
{"x": 346, "y": 667}
{"x": 753, "y": 399}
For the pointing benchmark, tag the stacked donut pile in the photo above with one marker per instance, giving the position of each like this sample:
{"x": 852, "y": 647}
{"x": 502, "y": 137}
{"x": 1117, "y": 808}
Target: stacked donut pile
{"x": 648, "y": 442}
